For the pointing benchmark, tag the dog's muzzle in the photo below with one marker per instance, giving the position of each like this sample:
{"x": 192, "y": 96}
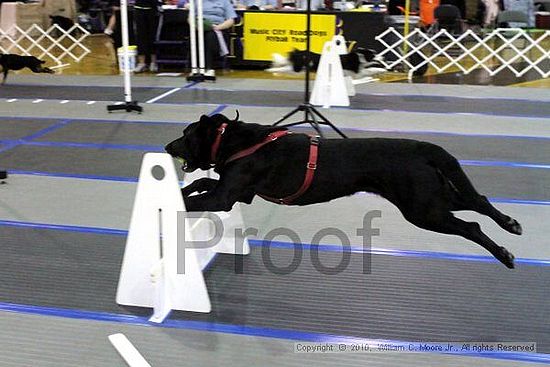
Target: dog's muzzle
{"x": 170, "y": 150}
{"x": 183, "y": 163}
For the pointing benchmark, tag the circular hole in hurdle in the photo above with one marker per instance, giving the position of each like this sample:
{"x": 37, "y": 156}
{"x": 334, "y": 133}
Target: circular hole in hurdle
{"x": 158, "y": 172}
{"x": 337, "y": 42}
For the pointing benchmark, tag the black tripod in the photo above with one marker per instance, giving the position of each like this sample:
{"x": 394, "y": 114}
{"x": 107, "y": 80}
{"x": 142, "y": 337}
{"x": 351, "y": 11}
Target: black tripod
{"x": 128, "y": 107}
{"x": 311, "y": 115}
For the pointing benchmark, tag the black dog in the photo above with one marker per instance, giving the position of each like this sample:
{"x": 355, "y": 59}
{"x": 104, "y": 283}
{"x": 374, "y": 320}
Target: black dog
{"x": 16, "y": 62}
{"x": 423, "y": 180}
{"x": 354, "y": 61}
{"x": 63, "y": 22}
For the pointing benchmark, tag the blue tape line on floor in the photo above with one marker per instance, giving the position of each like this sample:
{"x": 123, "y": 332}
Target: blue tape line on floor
{"x": 348, "y": 129}
{"x": 96, "y": 120}
{"x": 148, "y": 148}
{"x": 73, "y": 175}
{"x": 154, "y": 148}
{"x": 135, "y": 179}
{"x": 292, "y": 246}
{"x": 218, "y": 109}
{"x": 24, "y": 140}
{"x": 47, "y": 130}
{"x": 294, "y": 335}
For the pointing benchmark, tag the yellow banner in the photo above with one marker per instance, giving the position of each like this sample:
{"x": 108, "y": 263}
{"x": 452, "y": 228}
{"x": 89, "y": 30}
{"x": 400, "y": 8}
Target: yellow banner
{"x": 268, "y": 33}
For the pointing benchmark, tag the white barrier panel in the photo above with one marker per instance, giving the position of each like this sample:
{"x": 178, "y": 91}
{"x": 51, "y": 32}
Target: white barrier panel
{"x": 330, "y": 88}
{"x": 473, "y": 51}
{"x": 54, "y": 42}
{"x": 153, "y": 273}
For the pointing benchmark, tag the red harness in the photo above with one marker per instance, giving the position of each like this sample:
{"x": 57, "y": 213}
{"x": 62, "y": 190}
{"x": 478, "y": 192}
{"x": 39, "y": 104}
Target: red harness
{"x": 310, "y": 167}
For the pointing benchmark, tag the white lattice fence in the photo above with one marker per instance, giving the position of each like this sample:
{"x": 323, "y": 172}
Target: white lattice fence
{"x": 54, "y": 42}
{"x": 503, "y": 48}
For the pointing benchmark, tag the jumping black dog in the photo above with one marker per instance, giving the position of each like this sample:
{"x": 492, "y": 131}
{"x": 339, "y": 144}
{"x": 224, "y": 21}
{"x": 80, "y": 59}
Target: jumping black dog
{"x": 352, "y": 61}
{"x": 361, "y": 62}
{"x": 16, "y": 62}
{"x": 423, "y": 180}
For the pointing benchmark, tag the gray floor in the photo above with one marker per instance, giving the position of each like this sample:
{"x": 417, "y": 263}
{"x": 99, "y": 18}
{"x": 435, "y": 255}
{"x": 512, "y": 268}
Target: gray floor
{"x": 87, "y": 339}
{"x": 465, "y": 91}
{"x": 80, "y": 271}
{"x": 73, "y": 164}
{"x": 274, "y": 98}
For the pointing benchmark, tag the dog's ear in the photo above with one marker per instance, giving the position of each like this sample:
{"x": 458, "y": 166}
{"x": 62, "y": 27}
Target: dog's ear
{"x": 205, "y": 119}
{"x": 220, "y": 119}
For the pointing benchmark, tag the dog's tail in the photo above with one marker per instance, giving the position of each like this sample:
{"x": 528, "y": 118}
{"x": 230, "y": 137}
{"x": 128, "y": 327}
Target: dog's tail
{"x": 449, "y": 166}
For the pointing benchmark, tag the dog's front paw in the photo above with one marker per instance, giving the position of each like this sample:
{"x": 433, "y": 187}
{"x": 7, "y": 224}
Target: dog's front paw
{"x": 185, "y": 192}
{"x": 513, "y": 226}
{"x": 506, "y": 257}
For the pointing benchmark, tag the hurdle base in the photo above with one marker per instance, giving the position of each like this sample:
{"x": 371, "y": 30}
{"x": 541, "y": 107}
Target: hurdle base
{"x": 128, "y": 106}
{"x": 200, "y": 78}
{"x": 197, "y": 77}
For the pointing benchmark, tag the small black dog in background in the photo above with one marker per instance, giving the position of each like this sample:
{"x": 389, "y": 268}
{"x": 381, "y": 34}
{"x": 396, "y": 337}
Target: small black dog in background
{"x": 63, "y": 22}
{"x": 16, "y": 62}
{"x": 354, "y": 61}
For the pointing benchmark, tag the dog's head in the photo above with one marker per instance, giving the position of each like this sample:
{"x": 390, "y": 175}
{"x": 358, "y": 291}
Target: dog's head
{"x": 36, "y": 61}
{"x": 63, "y": 22}
{"x": 194, "y": 148}
{"x": 297, "y": 59}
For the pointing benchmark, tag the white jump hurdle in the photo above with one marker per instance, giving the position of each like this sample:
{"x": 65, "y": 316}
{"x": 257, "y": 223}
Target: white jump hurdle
{"x": 331, "y": 87}
{"x": 162, "y": 267}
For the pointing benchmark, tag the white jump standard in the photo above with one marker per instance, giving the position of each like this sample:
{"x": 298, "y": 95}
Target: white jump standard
{"x": 157, "y": 271}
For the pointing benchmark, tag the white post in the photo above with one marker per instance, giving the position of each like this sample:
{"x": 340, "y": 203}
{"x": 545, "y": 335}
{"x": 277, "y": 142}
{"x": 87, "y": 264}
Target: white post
{"x": 200, "y": 19}
{"x": 192, "y": 32}
{"x": 125, "y": 44}
{"x": 196, "y": 31}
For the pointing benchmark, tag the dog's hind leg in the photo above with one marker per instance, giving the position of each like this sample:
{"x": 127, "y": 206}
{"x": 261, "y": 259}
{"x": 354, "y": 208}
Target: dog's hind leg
{"x": 5, "y": 75}
{"x": 465, "y": 196}
{"x": 447, "y": 223}
{"x": 482, "y": 205}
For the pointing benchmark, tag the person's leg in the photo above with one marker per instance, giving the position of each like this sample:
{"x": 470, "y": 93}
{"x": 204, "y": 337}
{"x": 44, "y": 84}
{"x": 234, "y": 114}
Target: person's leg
{"x": 211, "y": 50}
{"x": 153, "y": 27}
{"x": 141, "y": 39}
{"x": 148, "y": 35}
{"x": 111, "y": 24}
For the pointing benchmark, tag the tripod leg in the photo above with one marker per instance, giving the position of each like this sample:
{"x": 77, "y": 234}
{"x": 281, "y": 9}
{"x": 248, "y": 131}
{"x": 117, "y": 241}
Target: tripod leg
{"x": 313, "y": 122}
{"x": 327, "y": 122}
{"x": 297, "y": 109}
